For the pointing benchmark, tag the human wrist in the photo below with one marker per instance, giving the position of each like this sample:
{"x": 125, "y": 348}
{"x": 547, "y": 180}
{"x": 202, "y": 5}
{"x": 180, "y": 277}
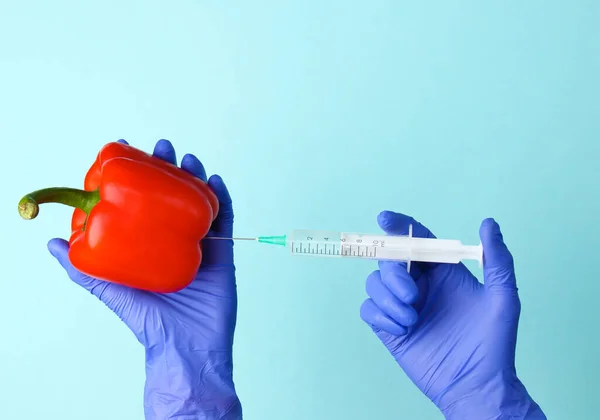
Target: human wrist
{"x": 190, "y": 384}
{"x": 497, "y": 399}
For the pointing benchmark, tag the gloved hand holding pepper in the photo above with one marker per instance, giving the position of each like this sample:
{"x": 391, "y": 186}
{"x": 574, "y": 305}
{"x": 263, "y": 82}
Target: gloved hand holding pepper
{"x": 453, "y": 336}
{"x": 188, "y": 335}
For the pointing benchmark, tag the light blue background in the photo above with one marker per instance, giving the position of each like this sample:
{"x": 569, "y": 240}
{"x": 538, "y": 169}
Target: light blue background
{"x": 317, "y": 115}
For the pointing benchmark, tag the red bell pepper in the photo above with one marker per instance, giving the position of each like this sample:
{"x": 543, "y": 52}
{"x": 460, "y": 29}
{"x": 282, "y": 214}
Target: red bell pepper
{"x": 138, "y": 221}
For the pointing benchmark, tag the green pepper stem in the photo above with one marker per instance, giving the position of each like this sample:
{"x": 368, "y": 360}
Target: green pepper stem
{"x": 84, "y": 200}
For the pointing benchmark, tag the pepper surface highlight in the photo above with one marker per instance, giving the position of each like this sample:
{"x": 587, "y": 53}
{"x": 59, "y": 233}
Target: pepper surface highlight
{"x": 138, "y": 221}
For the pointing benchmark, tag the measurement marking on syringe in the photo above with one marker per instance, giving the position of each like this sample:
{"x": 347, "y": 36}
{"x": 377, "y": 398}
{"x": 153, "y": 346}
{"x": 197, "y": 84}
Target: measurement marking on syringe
{"x": 359, "y": 251}
{"x": 346, "y": 250}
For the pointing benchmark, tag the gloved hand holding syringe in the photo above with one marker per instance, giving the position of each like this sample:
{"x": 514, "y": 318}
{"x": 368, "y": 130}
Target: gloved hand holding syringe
{"x": 406, "y": 248}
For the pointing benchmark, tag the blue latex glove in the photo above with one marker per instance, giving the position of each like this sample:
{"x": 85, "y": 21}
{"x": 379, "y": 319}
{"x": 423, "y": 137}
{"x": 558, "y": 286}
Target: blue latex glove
{"x": 188, "y": 335}
{"x": 454, "y": 337}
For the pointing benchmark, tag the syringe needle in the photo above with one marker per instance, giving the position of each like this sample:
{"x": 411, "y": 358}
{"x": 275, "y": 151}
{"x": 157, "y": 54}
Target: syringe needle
{"x": 273, "y": 240}
{"x": 229, "y": 239}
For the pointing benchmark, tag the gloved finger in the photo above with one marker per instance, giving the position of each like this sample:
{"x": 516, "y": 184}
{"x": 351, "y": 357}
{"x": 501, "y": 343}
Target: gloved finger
{"x": 398, "y": 224}
{"x": 117, "y": 298}
{"x": 389, "y": 304}
{"x": 164, "y": 150}
{"x": 220, "y": 251}
{"x": 498, "y": 264}
{"x": 395, "y": 277}
{"x": 192, "y": 164}
{"x": 377, "y": 320}
{"x": 122, "y": 141}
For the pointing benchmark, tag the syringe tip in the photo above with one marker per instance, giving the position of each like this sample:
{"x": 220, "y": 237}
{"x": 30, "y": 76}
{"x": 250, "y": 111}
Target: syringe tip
{"x": 273, "y": 240}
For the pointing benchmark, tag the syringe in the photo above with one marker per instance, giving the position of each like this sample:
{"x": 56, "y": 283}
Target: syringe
{"x": 405, "y": 248}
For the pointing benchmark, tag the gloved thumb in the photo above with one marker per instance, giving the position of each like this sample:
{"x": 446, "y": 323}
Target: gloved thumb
{"x": 111, "y": 295}
{"x": 220, "y": 252}
{"x": 498, "y": 265}
{"x": 59, "y": 248}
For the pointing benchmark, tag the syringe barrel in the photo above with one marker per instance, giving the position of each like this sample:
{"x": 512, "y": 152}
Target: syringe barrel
{"x": 380, "y": 247}
{"x": 440, "y": 250}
